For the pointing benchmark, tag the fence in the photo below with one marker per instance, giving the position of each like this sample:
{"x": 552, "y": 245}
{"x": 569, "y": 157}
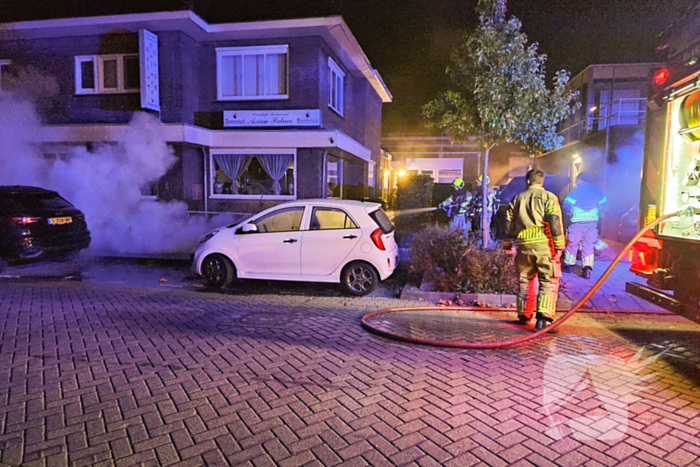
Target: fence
{"x": 630, "y": 111}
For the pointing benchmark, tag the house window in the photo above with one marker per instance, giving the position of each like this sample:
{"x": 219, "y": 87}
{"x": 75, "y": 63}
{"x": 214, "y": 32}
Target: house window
{"x": 335, "y": 97}
{"x": 334, "y": 177}
{"x": 449, "y": 175}
{"x": 370, "y": 175}
{"x": 107, "y": 74}
{"x": 245, "y": 174}
{"x": 428, "y": 172}
{"x": 248, "y": 73}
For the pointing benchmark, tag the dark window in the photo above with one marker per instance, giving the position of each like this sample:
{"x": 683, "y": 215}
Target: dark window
{"x": 330, "y": 219}
{"x": 132, "y": 78}
{"x": 33, "y": 201}
{"x": 109, "y": 68}
{"x": 382, "y": 221}
{"x": 87, "y": 75}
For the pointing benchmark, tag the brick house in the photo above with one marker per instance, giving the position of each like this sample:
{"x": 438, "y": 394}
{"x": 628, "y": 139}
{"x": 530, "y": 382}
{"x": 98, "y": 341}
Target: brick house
{"x": 257, "y": 113}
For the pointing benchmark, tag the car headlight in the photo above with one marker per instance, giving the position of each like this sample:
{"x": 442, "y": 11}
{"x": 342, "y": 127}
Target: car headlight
{"x": 206, "y": 237}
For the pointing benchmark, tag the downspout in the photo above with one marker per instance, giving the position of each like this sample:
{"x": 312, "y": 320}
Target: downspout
{"x": 206, "y": 188}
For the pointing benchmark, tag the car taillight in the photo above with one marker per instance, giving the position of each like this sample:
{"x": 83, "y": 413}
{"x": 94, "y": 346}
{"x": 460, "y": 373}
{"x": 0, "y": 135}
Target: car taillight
{"x": 25, "y": 220}
{"x": 376, "y": 237}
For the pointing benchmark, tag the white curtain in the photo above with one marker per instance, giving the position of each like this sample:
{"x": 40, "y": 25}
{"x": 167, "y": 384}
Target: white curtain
{"x": 233, "y": 165}
{"x": 276, "y": 165}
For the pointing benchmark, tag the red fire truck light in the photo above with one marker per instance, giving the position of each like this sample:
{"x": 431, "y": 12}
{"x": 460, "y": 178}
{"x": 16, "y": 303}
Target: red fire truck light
{"x": 661, "y": 76}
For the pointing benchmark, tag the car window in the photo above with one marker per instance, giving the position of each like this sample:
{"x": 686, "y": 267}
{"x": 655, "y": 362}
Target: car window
{"x": 329, "y": 219}
{"x": 30, "y": 201}
{"x": 382, "y": 221}
{"x": 284, "y": 220}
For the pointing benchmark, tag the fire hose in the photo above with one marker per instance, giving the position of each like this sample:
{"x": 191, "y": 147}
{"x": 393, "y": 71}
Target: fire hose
{"x": 686, "y": 212}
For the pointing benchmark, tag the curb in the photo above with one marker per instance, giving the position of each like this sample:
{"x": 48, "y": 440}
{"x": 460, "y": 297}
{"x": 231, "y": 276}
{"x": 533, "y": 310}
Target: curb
{"x": 410, "y": 292}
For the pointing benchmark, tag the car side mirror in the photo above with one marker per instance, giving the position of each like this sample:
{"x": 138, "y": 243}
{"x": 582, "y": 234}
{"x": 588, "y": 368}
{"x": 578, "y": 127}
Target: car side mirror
{"x": 249, "y": 228}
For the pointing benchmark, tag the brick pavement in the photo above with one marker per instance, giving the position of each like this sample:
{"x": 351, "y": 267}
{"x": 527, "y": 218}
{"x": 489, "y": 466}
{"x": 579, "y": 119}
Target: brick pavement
{"x": 108, "y": 375}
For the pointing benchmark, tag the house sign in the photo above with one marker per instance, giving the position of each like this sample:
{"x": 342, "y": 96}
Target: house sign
{"x": 272, "y": 118}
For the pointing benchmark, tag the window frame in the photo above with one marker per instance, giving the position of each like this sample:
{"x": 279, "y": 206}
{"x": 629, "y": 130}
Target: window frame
{"x": 98, "y": 78}
{"x": 334, "y": 72}
{"x": 222, "y": 52}
{"x": 331, "y": 208}
{"x": 250, "y": 152}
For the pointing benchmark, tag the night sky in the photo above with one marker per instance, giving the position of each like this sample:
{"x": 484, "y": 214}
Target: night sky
{"x": 409, "y": 41}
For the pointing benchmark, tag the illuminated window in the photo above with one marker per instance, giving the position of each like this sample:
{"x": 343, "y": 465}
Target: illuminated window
{"x": 335, "y": 96}
{"x": 107, "y": 74}
{"x": 252, "y": 73}
{"x": 252, "y": 174}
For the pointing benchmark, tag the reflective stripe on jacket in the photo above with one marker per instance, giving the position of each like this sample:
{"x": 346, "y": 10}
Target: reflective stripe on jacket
{"x": 534, "y": 216}
{"x": 585, "y": 203}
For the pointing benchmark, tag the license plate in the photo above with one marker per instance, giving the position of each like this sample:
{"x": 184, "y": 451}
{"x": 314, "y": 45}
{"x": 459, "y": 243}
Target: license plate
{"x": 60, "y": 220}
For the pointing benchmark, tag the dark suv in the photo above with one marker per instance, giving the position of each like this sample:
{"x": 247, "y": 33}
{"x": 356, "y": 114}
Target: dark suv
{"x": 38, "y": 224}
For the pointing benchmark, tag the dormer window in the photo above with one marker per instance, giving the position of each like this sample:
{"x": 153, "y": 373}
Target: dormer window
{"x": 252, "y": 73}
{"x": 107, "y": 74}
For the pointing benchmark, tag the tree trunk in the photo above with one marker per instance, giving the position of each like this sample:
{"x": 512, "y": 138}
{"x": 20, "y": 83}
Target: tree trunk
{"x": 484, "y": 200}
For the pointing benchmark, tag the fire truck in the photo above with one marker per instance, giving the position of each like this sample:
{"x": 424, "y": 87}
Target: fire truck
{"x": 669, "y": 257}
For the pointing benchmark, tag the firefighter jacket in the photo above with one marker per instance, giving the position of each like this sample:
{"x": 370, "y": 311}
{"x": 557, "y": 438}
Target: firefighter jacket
{"x": 585, "y": 203}
{"x": 458, "y": 203}
{"x": 534, "y": 216}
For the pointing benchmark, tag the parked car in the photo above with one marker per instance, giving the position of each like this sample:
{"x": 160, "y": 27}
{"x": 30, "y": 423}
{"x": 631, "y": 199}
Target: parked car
{"x": 557, "y": 184}
{"x": 315, "y": 240}
{"x": 38, "y": 224}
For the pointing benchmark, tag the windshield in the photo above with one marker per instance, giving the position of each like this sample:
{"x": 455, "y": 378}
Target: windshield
{"x": 382, "y": 221}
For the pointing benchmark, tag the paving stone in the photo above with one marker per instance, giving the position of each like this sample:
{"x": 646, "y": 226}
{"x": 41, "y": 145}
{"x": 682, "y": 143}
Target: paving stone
{"x": 108, "y": 375}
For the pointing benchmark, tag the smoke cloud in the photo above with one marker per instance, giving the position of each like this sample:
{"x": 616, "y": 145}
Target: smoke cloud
{"x": 104, "y": 183}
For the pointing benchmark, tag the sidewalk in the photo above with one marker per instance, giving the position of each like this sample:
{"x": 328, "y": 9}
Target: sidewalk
{"x": 610, "y": 296}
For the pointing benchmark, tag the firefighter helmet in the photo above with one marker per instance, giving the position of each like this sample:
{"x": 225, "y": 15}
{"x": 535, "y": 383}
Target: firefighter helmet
{"x": 458, "y": 183}
{"x": 481, "y": 177}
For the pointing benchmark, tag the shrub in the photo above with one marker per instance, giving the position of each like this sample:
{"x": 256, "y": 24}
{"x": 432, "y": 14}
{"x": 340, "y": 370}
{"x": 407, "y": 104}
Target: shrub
{"x": 439, "y": 251}
{"x": 445, "y": 259}
{"x": 415, "y": 191}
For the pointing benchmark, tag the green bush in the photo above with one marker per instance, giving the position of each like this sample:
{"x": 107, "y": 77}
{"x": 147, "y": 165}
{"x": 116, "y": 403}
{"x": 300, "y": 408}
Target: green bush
{"x": 414, "y": 191}
{"x": 445, "y": 259}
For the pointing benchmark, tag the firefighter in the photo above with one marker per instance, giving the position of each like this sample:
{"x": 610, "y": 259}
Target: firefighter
{"x": 456, "y": 206}
{"x": 534, "y": 220}
{"x": 583, "y": 208}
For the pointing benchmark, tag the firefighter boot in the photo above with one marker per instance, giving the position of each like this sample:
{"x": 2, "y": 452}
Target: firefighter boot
{"x": 567, "y": 268}
{"x": 587, "y": 272}
{"x": 523, "y": 320}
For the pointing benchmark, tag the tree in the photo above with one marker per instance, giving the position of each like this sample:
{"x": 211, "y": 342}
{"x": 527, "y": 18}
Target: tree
{"x": 499, "y": 92}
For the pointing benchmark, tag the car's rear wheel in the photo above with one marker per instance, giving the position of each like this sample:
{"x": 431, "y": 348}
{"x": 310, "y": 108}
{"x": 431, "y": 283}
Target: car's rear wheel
{"x": 218, "y": 270}
{"x": 359, "y": 278}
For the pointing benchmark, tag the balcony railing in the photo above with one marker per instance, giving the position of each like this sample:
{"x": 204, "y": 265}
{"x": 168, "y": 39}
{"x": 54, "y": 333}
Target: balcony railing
{"x": 619, "y": 112}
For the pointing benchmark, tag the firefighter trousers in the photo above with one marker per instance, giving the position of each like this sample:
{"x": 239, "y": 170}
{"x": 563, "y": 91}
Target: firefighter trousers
{"x": 460, "y": 222}
{"x": 534, "y": 261}
{"x": 584, "y": 234}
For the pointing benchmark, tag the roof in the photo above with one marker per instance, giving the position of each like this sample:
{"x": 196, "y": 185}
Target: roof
{"x": 333, "y": 30}
{"x": 333, "y": 202}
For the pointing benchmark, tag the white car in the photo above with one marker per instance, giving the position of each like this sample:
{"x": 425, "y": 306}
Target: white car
{"x": 312, "y": 240}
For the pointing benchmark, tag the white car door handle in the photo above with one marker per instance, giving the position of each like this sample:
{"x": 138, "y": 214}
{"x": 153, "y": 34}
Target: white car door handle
{"x": 290, "y": 240}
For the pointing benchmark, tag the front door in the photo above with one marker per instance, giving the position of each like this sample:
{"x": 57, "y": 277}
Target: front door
{"x": 331, "y": 237}
{"x": 275, "y": 249}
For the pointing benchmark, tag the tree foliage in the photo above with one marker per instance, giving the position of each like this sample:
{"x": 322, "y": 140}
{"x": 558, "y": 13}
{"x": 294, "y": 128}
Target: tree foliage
{"x": 499, "y": 92}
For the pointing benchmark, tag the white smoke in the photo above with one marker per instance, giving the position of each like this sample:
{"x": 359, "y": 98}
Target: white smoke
{"x": 105, "y": 183}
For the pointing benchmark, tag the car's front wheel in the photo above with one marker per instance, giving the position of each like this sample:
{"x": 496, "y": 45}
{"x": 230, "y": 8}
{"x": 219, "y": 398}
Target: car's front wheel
{"x": 218, "y": 270}
{"x": 359, "y": 278}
